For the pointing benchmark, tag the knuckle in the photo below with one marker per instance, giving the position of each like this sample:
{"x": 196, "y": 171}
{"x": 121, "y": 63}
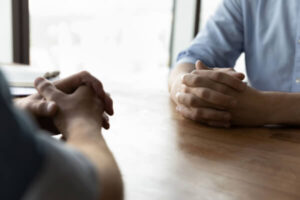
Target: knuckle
{"x": 41, "y": 106}
{"x": 198, "y": 114}
{"x": 194, "y": 80}
{"x": 188, "y": 100}
{"x": 85, "y": 73}
{"x": 215, "y": 99}
{"x": 180, "y": 98}
{"x": 184, "y": 89}
{"x": 192, "y": 101}
{"x": 44, "y": 85}
{"x": 197, "y": 80}
{"x": 222, "y": 89}
{"x": 204, "y": 94}
{"x": 217, "y": 75}
{"x": 185, "y": 78}
{"x": 194, "y": 72}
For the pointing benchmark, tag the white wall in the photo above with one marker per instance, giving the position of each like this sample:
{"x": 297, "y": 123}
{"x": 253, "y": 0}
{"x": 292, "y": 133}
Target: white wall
{"x": 6, "y": 44}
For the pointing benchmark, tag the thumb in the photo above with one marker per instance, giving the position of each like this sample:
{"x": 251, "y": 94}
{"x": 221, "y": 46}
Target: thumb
{"x": 201, "y": 66}
{"x": 47, "y": 89}
{"x": 232, "y": 72}
{"x": 240, "y": 76}
{"x": 237, "y": 75}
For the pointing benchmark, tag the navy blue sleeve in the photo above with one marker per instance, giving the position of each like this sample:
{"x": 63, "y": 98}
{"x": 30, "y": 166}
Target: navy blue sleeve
{"x": 21, "y": 158}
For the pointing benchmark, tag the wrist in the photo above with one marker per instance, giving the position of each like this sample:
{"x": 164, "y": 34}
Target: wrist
{"x": 82, "y": 127}
{"x": 282, "y": 107}
{"x": 266, "y": 106}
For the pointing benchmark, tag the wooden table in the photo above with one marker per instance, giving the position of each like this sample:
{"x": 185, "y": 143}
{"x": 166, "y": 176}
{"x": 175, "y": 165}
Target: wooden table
{"x": 165, "y": 157}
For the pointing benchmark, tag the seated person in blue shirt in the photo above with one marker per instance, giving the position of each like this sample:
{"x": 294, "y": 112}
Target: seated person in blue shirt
{"x": 206, "y": 89}
{"x": 35, "y": 166}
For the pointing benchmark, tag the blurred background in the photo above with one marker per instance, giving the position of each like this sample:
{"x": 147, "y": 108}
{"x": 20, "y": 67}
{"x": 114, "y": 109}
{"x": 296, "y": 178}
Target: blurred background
{"x": 100, "y": 33}
{"x": 139, "y": 36}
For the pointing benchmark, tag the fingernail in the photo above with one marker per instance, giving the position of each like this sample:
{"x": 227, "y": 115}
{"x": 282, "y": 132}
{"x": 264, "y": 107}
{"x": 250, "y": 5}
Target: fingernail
{"x": 177, "y": 95}
{"x": 241, "y": 74}
{"x": 178, "y": 108}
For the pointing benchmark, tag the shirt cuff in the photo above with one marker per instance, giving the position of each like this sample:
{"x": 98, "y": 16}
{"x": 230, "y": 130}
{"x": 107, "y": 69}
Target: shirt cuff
{"x": 187, "y": 59}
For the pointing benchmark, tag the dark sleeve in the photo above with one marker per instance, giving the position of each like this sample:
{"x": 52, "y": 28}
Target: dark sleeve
{"x": 34, "y": 166}
{"x": 67, "y": 174}
{"x": 21, "y": 158}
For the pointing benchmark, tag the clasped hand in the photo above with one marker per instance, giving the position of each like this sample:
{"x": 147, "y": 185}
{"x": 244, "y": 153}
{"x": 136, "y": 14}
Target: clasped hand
{"x": 80, "y": 95}
{"x": 217, "y": 97}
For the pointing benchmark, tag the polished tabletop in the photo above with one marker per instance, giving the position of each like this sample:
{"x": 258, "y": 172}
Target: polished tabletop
{"x": 163, "y": 156}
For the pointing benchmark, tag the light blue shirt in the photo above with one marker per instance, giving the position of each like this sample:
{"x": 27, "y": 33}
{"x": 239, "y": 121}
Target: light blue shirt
{"x": 268, "y": 31}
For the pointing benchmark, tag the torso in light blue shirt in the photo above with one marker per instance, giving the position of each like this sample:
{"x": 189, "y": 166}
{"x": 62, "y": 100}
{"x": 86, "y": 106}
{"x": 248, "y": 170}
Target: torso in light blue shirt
{"x": 268, "y": 31}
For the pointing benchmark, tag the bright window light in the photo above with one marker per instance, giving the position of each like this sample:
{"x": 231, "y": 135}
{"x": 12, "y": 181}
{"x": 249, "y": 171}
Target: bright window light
{"x": 100, "y": 34}
{"x": 6, "y": 47}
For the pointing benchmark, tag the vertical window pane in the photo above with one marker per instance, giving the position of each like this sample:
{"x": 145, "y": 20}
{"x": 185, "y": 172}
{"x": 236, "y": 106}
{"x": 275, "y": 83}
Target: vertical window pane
{"x": 100, "y": 34}
{"x": 6, "y": 50}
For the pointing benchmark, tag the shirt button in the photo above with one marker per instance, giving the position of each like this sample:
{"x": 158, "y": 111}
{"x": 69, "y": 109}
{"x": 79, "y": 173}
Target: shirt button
{"x": 298, "y": 41}
{"x": 298, "y": 80}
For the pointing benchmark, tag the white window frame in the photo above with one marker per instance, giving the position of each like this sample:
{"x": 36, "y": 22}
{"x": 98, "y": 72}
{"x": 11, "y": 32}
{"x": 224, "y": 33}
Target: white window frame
{"x": 186, "y": 22}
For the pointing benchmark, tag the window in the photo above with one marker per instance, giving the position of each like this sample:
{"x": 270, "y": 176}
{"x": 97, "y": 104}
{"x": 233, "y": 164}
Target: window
{"x": 6, "y": 47}
{"x": 186, "y": 18}
{"x": 100, "y": 34}
{"x": 184, "y": 25}
{"x": 14, "y": 34}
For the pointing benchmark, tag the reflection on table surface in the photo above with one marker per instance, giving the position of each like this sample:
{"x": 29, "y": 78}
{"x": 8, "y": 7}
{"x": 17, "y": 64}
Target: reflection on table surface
{"x": 163, "y": 156}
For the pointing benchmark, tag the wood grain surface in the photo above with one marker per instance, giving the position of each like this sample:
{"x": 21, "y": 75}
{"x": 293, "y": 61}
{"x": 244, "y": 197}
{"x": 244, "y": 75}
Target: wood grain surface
{"x": 165, "y": 157}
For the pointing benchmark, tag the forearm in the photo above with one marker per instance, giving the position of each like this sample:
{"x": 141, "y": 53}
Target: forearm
{"x": 283, "y": 108}
{"x": 87, "y": 138}
{"x": 176, "y": 74}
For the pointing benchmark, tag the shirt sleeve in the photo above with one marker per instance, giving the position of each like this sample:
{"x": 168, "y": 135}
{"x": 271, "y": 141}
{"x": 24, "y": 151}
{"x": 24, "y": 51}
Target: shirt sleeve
{"x": 67, "y": 174}
{"x": 21, "y": 157}
{"x": 221, "y": 42}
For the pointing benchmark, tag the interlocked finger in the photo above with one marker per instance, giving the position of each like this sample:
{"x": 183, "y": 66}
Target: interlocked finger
{"x": 206, "y": 114}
